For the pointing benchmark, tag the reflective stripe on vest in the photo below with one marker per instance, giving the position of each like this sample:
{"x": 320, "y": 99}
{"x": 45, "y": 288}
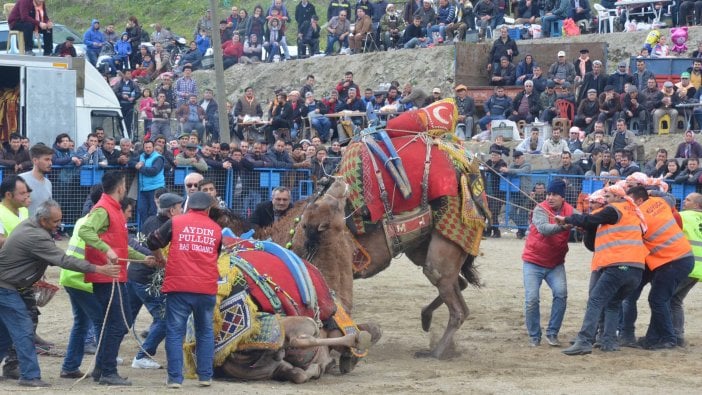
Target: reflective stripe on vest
{"x": 615, "y": 228}
{"x": 664, "y": 238}
{"x": 620, "y": 243}
{"x": 76, "y": 249}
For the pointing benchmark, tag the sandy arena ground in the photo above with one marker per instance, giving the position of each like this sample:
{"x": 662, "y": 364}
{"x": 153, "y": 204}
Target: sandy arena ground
{"x": 494, "y": 355}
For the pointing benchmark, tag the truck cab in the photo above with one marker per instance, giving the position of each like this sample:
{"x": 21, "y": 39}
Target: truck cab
{"x": 49, "y": 95}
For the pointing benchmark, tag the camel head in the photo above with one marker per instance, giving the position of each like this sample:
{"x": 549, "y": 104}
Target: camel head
{"x": 325, "y": 215}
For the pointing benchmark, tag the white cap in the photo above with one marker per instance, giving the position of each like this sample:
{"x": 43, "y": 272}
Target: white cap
{"x": 561, "y": 53}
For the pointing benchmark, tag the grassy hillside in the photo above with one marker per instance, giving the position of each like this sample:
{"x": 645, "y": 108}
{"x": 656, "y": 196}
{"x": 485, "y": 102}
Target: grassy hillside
{"x": 180, "y": 16}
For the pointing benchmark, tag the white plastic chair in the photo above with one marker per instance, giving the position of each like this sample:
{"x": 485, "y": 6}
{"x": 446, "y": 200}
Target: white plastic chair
{"x": 605, "y": 16}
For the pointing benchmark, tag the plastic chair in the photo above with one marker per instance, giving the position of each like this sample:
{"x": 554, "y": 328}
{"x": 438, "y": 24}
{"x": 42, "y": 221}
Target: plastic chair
{"x": 556, "y": 28}
{"x": 369, "y": 43}
{"x": 605, "y": 16}
{"x": 664, "y": 124}
{"x": 566, "y": 109}
{"x": 563, "y": 123}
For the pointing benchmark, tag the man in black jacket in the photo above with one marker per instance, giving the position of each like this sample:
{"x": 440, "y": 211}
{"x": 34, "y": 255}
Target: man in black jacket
{"x": 503, "y": 46}
{"x": 281, "y": 117}
{"x": 268, "y": 212}
{"x": 526, "y": 105}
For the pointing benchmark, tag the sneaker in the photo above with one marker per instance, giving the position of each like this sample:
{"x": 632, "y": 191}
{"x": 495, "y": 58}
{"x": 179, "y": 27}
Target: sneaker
{"x": 578, "y": 349}
{"x": 114, "y": 379}
{"x": 145, "y": 363}
{"x": 553, "y": 340}
{"x": 33, "y": 383}
{"x": 173, "y": 385}
{"x": 534, "y": 342}
{"x": 204, "y": 383}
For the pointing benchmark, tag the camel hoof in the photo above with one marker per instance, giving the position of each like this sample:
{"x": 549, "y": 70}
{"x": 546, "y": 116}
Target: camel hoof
{"x": 426, "y": 319}
{"x": 347, "y": 362}
{"x": 373, "y": 329}
{"x": 363, "y": 340}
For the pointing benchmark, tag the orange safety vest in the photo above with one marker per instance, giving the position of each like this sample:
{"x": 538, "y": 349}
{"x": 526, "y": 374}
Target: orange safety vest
{"x": 664, "y": 239}
{"x": 621, "y": 243}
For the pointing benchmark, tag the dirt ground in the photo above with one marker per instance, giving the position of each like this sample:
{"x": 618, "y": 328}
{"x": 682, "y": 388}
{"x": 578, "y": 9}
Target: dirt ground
{"x": 494, "y": 355}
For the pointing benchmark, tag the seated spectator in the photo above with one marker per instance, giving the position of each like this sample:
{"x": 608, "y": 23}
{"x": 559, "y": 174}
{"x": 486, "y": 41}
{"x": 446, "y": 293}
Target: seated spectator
{"x": 623, "y": 138}
{"x": 689, "y": 148}
{"x": 308, "y": 36}
{"x": 596, "y": 140}
{"x": 278, "y": 157}
{"x": 190, "y": 158}
{"x": 392, "y": 27}
{"x": 531, "y": 144}
{"x": 555, "y": 145}
{"x": 338, "y": 29}
{"x": 685, "y": 90}
{"x": 504, "y": 46}
{"x": 548, "y": 102}
{"x": 232, "y": 50}
{"x": 505, "y": 74}
{"x": 658, "y": 166}
{"x": 203, "y": 42}
{"x": 526, "y": 105}
{"x": 497, "y": 107}
{"x": 427, "y": 14}
{"x": 145, "y": 69}
{"x": 627, "y": 166}
{"x": 281, "y": 117}
{"x": 620, "y": 78}
{"x": 412, "y": 97}
{"x": 539, "y": 80}
{"x": 322, "y": 166}
{"x": 632, "y": 108}
{"x": 466, "y": 110}
{"x": 362, "y": 27}
{"x": 603, "y": 164}
{"x": 574, "y": 143}
{"x": 562, "y": 70}
{"x": 191, "y": 116}
{"x": 528, "y": 11}
{"x": 109, "y": 149}
{"x": 499, "y": 145}
{"x": 609, "y": 105}
{"x": 691, "y": 174}
{"x": 588, "y": 111}
{"x": 465, "y": 20}
{"x": 666, "y": 105}
{"x": 66, "y": 48}
{"x": 314, "y": 110}
{"x": 673, "y": 169}
{"x": 273, "y": 40}
{"x": 559, "y": 11}
{"x": 415, "y": 35}
{"x": 595, "y": 79}
{"x": 485, "y": 16}
{"x": 579, "y": 10}
{"x": 445, "y": 14}
{"x": 253, "y": 51}
{"x": 525, "y": 69}
{"x": 15, "y": 157}
{"x": 191, "y": 57}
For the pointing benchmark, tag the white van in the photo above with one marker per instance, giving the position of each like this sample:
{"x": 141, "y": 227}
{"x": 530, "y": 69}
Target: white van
{"x": 61, "y": 32}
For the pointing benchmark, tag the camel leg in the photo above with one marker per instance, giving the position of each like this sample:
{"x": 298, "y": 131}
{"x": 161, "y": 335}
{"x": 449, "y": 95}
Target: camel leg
{"x": 442, "y": 268}
{"x": 428, "y": 310}
{"x": 361, "y": 340}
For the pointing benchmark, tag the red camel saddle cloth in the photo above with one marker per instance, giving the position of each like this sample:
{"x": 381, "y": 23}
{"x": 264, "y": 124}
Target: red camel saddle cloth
{"x": 274, "y": 271}
{"x": 359, "y": 174}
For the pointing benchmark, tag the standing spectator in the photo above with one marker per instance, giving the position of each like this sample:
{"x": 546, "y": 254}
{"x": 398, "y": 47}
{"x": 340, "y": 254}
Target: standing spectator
{"x": 620, "y": 78}
{"x": 411, "y": 7}
{"x": 267, "y": 213}
{"x": 466, "y": 109}
{"x": 94, "y": 40}
{"x": 30, "y": 16}
{"x": 342, "y": 88}
{"x": 336, "y": 7}
{"x": 189, "y": 157}
{"x": 595, "y": 79}
{"x": 160, "y": 35}
{"x": 204, "y": 24}
{"x": 304, "y": 11}
{"x": 253, "y": 193}
{"x": 190, "y": 285}
{"x": 127, "y": 92}
{"x": 151, "y": 177}
{"x": 517, "y": 168}
{"x": 185, "y": 86}
{"x": 135, "y": 33}
{"x": 162, "y": 117}
{"x": 90, "y": 153}
{"x": 689, "y": 148}
{"x": 204, "y": 42}
{"x": 691, "y": 174}
{"x": 504, "y": 46}
{"x": 209, "y": 105}
{"x": 493, "y": 190}
{"x": 692, "y": 221}
{"x": 627, "y": 166}
{"x": 146, "y": 110}
{"x": 544, "y": 260}
{"x": 110, "y": 34}
{"x": 641, "y": 75}
{"x": 657, "y": 167}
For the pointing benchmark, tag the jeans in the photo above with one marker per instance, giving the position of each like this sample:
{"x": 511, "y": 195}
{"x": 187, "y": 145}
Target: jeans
{"x": 546, "y": 24}
{"x": 190, "y": 126}
{"x": 322, "y": 125}
{"x": 414, "y": 42}
{"x": 16, "y": 328}
{"x": 161, "y": 127}
{"x": 146, "y": 206}
{"x": 156, "y": 307}
{"x": 630, "y": 311}
{"x": 331, "y": 39}
{"x": 92, "y": 56}
{"x": 664, "y": 282}
{"x": 441, "y": 29}
{"x": 676, "y": 306}
{"x": 115, "y": 327}
{"x": 556, "y": 280}
{"x": 179, "y": 306}
{"x": 86, "y": 312}
{"x": 485, "y": 121}
{"x": 614, "y": 284}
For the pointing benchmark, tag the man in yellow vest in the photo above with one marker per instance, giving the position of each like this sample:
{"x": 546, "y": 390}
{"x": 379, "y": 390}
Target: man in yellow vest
{"x": 670, "y": 261}
{"x": 15, "y": 195}
{"x": 692, "y": 228}
{"x": 619, "y": 256}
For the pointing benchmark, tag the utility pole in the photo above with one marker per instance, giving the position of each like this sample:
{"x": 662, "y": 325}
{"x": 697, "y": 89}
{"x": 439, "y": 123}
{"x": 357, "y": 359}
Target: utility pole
{"x": 219, "y": 75}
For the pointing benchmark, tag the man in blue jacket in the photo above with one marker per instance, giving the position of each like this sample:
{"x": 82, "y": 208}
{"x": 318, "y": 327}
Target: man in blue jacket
{"x": 94, "y": 40}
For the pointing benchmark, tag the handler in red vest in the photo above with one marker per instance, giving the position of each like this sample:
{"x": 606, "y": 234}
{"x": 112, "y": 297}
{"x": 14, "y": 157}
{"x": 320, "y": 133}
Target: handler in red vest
{"x": 105, "y": 235}
{"x": 544, "y": 257}
{"x": 190, "y": 284}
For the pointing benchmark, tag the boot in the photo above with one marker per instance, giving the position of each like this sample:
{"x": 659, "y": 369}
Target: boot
{"x": 11, "y": 368}
{"x": 496, "y": 232}
{"x": 579, "y": 348}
